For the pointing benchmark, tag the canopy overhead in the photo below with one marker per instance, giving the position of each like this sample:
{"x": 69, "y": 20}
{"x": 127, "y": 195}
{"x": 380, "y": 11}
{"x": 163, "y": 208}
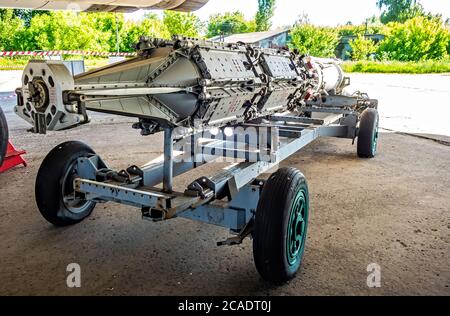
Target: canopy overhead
{"x": 105, "y": 5}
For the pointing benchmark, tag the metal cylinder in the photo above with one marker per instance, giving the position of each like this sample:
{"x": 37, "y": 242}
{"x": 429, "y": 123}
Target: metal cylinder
{"x": 332, "y": 74}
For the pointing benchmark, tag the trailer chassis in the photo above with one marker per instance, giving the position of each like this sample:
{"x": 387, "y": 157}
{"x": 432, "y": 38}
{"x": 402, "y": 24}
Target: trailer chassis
{"x": 234, "y": 197}
{"x": 203, "y": 199}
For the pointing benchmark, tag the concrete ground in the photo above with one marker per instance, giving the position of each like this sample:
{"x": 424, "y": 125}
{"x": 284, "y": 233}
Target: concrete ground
{"x": 393, "y": 211}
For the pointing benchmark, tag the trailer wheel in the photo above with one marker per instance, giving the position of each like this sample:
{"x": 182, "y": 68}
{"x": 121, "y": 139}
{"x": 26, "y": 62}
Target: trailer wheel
{"x": 368, "y": 134}
{"x": 281, "y": 224}
{"x": 54, "y": 185}
{"x": 3, "y": 136}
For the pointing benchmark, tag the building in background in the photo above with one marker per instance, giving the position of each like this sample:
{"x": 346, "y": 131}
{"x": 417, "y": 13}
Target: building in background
{"x": 343, "y": 50}
{"x": 280, "y": 38}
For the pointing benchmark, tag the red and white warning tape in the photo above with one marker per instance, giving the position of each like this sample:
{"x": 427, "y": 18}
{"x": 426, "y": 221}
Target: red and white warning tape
{"x": 62, "y": 52}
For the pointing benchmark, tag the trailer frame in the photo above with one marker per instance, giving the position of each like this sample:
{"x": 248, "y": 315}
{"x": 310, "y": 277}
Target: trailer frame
{"x": 229, "y": 199}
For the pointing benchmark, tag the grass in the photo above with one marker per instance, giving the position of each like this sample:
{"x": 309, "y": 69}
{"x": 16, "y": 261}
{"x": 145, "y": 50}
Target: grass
{"x": 13, "y": 63}
{"x": 398, "y": 67}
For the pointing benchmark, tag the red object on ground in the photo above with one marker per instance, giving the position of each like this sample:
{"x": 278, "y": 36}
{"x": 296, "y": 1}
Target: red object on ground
{"x": 13, "y": 158}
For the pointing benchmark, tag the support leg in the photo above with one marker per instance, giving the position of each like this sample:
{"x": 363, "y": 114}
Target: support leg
{"x": 168, "y": 161}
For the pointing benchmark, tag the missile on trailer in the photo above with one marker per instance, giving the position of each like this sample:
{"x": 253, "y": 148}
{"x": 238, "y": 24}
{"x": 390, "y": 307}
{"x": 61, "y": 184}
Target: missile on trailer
{"x": 181, "y": 82}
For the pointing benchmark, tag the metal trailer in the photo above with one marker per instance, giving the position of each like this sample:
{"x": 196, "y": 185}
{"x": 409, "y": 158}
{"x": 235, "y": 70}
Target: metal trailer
{"x": 264, "y": 105}
{"x": 274, "y": 212}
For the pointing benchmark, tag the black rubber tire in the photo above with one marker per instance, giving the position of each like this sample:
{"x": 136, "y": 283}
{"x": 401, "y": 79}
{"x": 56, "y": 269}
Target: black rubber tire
{"x": 49, "y": 184}
{"x": 3, "y": 136}
{"x": 271, "y": 226}
{"x": 368, "y": 134}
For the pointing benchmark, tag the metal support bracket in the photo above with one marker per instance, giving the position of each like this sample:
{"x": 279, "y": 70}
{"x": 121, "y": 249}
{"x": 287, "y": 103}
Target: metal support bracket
{"x": 239, "y": 239}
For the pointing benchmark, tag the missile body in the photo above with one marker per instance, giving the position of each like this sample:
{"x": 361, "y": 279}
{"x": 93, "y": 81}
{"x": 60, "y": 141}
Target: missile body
{"x": 179, "y": 83}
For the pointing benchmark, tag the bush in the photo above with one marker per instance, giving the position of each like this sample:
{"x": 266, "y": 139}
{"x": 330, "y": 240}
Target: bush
{"x": 362, "y": 48}
{"x": 420, "y": 38}
{"x": 448, "y": 44}
{"x": 229, "y": 23}
{"x": 88, "y": 31}
{"x": 151, "y": 25}
{"x": 10, "y": 30}
{"x": 180, "y": 23}
{"x": 314, "y": 40}
{"x": 360, "y": 30}
{"x": 14, "y": 63}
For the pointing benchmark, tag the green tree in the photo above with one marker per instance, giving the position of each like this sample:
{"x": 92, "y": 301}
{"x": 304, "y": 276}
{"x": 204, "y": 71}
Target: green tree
{"x": 150, "y": 26}
{"x": 314, "y": 40}
{"x": 372, "y": 26}
{"x": 26, "y": 15}
{"x": 179, "y": 23}
{"x": 362, "y": 48}
{"x": 229, "y": 23}
{"x": 67, "y": 31}
{"x": 70, "y": 30}
{"x": 266, "y": 9}
{"x": 420, "y": 38}
{"x": 11, "y": 29}
{"x": 105, "y": 23}
{"x": 399, "y": 10}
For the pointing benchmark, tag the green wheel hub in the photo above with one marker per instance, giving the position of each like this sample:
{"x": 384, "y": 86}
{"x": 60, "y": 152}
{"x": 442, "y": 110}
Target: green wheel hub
{"x": 375, "y": 139}
{"x": 296, "y": 233}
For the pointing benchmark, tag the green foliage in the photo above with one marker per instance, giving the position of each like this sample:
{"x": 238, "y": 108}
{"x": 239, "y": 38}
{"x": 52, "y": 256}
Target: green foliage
{"x": 362, "y": 48}
{"x": 104, "y": 24}
{"x": 26, "y": 15}
{"x": 10, "y": 29}
{"x": 229, "y": 23}
{"x": 86, "y": 31}
{"x": 399, "y": 10}
{"x": 69, "y": 30}
{"x": 14, "y": 63}
{"x": 266, "y": 9}
{"x": 314, "y": 40}
{"x": 150, "y": 26}
{"x": 179, "y": 23}
{"x": 373, "y": 26}
{"x": 448, "y": 45}
{"x": 422, "y": 67}
{"x": 422, "y": 37}
{"x": 417, "y": 39}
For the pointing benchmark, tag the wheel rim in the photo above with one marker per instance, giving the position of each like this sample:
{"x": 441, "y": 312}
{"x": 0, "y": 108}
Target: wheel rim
{"x": 375, "y": 139}
{"x": 72, "y": 203}
{"x": 296, "y": 235}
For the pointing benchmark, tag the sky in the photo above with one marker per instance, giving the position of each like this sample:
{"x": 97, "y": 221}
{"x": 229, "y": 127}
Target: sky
{"x": 320, "y": 12}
